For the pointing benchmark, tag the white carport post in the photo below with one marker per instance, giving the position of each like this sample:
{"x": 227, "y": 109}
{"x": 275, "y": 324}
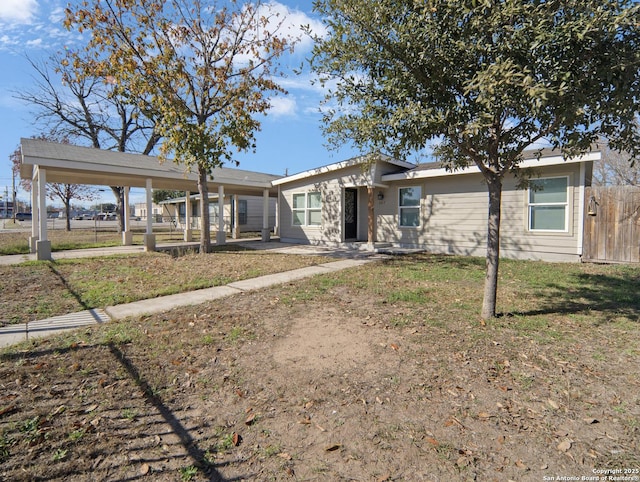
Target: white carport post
{"x": 127, "y": 234}
{"x": 34, "y": 212}
{"x": 266, "y": 234}
{"x": 149, "y": 237}
{"x": 221, "y": 237}
{"x": 235, "y": 224}
{"x": 187, "y": 217}
{"x": 276, "y": 228}
{"x": 43, "y": 245}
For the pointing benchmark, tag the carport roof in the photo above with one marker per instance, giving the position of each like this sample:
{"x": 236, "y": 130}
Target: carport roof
{"x": 85, "y": 165}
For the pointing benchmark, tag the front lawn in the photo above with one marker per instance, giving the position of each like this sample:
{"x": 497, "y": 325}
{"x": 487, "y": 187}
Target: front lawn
{"x": 382, "y": 372}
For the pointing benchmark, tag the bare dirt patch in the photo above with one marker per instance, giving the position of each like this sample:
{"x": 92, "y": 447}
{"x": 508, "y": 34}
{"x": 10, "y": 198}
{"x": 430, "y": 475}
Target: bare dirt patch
{"x": 336, "y": 378}
{"x": 323, "y": 342}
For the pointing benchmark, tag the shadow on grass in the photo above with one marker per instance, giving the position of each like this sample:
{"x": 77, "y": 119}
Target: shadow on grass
{"x": 611, "y": 295}
{"x": 437, "y": 260}
{"x": 196, "y": 454}
{"x": 68, "y": 287}
{"x": 190, "y": 445}
{"x": 614, "y": 296}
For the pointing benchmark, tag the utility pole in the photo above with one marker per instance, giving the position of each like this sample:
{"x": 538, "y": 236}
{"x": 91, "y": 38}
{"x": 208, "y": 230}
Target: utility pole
{"x": 13, "y": 200}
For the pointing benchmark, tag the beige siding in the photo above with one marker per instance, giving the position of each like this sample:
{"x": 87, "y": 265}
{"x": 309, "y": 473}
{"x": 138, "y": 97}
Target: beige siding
{"x": 453, "y": 215}
{"x": 454, "y": 218}
{"x": 450, "y": 219}
{"x": 518, "y": 242}
{"x": 331, "y": 185}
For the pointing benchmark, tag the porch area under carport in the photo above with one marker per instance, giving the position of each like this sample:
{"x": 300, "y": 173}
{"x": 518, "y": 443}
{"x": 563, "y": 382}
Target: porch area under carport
{"x": 44, "y": 161}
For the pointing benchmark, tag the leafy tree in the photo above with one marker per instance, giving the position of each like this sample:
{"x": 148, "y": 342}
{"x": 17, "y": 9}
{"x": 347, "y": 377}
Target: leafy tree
{"x": 160, "y": 195}
{"x": 86, "y": 109}
{"x": 485, "y": 78}
{"x": 202, "y": 68}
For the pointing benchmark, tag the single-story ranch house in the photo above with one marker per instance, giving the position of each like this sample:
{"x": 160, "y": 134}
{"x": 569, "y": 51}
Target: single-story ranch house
{"x": 362, "y": 202}
{"x": 426, "y": 206}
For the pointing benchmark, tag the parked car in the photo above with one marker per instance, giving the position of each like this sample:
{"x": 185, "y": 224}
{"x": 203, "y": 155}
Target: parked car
{"x": 84, "y": 217}
{"x": 23, "y": 216}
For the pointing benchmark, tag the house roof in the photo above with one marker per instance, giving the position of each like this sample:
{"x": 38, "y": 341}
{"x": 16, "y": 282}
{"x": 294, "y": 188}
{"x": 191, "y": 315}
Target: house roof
{"x": 355, "y": 161}
{"x": 407, "y": 170}
{"x": 85, "y": 165}
{"x": 548, "y": 157}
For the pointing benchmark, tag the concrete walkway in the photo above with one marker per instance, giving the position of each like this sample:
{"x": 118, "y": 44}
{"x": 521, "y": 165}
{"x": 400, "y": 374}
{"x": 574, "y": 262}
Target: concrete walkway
{"x": 12, "y": 334}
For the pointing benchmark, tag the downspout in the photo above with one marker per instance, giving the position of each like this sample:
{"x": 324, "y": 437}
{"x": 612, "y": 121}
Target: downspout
{"x": 583, "y": 171}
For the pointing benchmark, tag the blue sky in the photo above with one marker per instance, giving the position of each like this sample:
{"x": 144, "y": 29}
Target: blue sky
{"x": 291, "y": 137}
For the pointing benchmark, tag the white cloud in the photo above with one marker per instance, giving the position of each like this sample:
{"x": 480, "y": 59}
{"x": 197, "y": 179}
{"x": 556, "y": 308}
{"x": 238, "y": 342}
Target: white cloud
{"x": 18, "y": 11}
{"x": 57, "y": 15}
{"x": 283, "y": 107}
{"x": 7, "y": 41}
{"x": 292, "y": 24}
{"x": 308, "y": 82}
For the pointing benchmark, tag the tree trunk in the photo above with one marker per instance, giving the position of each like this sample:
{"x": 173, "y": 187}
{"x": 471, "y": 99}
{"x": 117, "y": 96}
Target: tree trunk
{"x": 118, "y": 193}
{"x": 205, "y": 228}
{"x": 67, "y": 211}
{"x": 493, "y": 249}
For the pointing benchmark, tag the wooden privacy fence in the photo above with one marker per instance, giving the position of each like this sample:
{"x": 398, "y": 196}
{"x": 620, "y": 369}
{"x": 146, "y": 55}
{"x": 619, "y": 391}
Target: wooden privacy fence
{"x": 612, "y": 224}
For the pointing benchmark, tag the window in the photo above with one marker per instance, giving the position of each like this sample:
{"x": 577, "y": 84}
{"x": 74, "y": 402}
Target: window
{"x": 242, "y": 211}
{"x": 548, "y": 204}
{"x": 307, "y": 209}
{"x": 409, "y": 200}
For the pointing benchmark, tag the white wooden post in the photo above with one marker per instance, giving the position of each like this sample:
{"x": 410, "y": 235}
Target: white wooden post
{"x": 276, "y": 228}
{"x": 149, "y": 237}
{"x": 34, "y": 211}
{"x": 235, "y": 229}
{"x": 266, "y": 234}
{"x": 221, "y": 237}
{"x": 43, "y": 245}
{"x": 127, "y": 234}
{"x": 187, "y": 217}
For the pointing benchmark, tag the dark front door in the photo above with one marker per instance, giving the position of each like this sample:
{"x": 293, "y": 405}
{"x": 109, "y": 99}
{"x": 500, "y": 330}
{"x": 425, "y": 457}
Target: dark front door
{"x": 350, "y": 214}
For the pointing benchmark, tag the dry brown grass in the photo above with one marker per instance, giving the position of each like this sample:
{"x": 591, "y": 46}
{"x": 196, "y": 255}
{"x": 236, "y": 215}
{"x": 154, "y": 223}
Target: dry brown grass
{"x": 377, "y": 373}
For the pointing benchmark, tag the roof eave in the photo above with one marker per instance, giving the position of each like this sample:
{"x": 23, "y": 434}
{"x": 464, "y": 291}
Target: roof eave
{"x": 527, "y": 163}
{"x": 338, "y": 166}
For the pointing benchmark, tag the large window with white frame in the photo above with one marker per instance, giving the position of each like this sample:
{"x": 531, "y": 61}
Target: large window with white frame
{"x": 409, "y": 206}
{"x": 548, "y": 204}
{"x": 307, "y": 209}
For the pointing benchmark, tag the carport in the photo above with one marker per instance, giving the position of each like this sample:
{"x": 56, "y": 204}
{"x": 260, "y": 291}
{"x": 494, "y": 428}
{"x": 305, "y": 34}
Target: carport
{"x": 44, "y": 162}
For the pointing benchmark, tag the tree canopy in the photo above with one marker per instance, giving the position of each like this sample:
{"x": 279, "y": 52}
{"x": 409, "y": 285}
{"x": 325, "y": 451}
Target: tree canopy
{"x": 482, "y": 80}
{"x": 73, "y": 105}
{"x": 202, "y": 68}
